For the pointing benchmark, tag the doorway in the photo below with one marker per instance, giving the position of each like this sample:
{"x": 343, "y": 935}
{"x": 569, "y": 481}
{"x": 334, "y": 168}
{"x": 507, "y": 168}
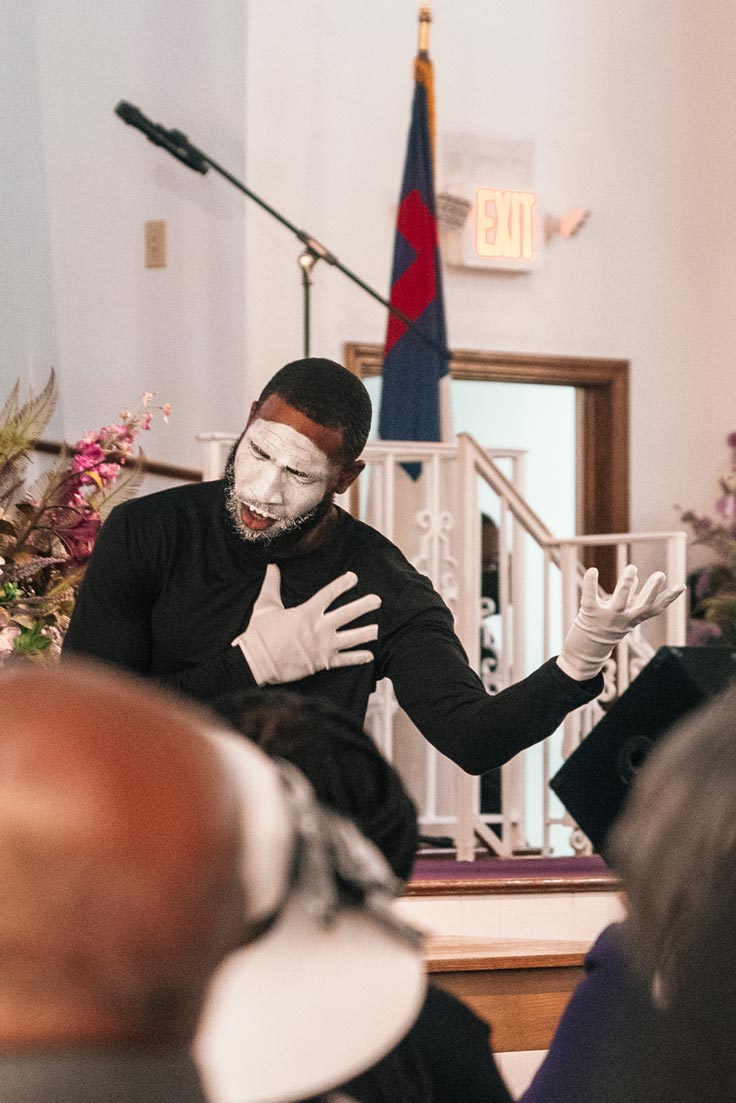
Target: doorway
{"x": 601, "y": 389}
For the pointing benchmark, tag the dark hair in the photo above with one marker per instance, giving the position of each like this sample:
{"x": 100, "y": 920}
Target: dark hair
{"x": 328, "y": 394}
{"x": 345, "y": 768}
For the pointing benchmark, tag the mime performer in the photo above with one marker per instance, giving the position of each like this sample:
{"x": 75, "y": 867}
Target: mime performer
{"x": 259, "y": 579}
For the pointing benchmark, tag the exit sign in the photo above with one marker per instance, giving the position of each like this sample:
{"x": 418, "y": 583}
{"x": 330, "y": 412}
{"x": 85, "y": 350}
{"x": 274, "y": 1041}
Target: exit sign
{"x": 487, "y": 204}
{"x": 504, "y": 224}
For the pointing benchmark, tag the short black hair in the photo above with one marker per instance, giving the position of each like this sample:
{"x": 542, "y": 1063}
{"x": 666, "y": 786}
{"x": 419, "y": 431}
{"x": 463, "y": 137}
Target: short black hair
{"x": 328, "y": 394}
{"x": 340, "y": 760}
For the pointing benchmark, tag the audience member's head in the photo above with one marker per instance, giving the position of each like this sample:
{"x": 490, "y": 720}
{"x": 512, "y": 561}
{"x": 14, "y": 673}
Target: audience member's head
{"x": 153, "y": 864}
{"x": 345, "y": 768}
{"x": 676, "y": 848}
{"x": 119, "y": 861}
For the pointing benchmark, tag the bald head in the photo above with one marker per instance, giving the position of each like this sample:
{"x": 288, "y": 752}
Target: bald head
{"x": 118, "y": 859}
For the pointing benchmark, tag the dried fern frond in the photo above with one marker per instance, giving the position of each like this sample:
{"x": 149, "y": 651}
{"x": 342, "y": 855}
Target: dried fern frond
{"x": 21, "y": 426}
{"x": 11, "y": 406}
{"x": 11, "y": 482}
{"x": 127, "y": 486}
{"x": 52, "y": 484}
{"x": 16, "y": 572}
{"x": 64, "y": 588}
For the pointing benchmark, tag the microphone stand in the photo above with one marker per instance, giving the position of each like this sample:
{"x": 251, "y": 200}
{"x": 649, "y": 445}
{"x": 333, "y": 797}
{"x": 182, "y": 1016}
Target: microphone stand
{"x": 178, "y": 145}
{"x": 307, "y": 261}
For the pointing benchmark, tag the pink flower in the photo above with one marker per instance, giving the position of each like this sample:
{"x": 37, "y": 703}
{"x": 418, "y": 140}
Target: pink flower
{"x": 8, "y": 636}
{"x": 726, "y": 508}
{"x": 702, "y": 632}
{"x": 99, "y": 454}
{"x": 88, "y": 438}
{"x": 88, "y": 456}
{"x": 108, "y": 472}
{"x": 116, "y": 438}
{"x": 91, "y": 459}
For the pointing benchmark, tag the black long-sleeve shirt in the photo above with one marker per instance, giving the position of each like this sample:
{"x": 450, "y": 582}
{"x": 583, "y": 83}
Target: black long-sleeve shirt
{"x": 171, "y": 583}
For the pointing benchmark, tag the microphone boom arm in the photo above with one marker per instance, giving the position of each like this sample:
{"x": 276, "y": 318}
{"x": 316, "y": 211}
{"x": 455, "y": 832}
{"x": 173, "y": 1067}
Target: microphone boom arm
{"x": 179, "y": 146}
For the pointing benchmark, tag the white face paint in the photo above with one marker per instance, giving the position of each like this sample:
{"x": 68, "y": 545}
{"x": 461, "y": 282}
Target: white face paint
{"x": 280, "y": 476}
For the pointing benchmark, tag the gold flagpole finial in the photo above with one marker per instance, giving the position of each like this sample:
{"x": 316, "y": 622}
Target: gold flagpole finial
{"x": 425, "y": 18}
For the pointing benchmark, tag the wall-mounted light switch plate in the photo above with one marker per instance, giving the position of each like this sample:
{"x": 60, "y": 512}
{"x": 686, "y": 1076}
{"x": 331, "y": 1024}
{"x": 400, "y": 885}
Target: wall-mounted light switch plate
{"x": 155, "y": 236}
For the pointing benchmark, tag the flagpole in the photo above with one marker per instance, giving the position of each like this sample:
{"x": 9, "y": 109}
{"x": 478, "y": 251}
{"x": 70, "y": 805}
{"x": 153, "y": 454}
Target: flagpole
{"x": 425, "y": 18}
{"x": 424, "y": 64}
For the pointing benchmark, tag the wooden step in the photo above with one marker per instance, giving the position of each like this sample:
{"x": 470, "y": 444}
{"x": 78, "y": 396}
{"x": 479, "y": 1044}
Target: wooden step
{"x": 435, "y": 876}
{"x": 520, "y": 987}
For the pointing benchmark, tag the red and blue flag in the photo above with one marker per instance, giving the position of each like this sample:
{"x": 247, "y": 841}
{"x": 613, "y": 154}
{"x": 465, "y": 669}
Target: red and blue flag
{"x": 412, "y": 366}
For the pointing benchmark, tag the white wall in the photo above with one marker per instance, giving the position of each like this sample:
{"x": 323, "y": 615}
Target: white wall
{"x": 27, "y": 332}
{"x": 113, "y": 328}
{"x": 629, "y": 107}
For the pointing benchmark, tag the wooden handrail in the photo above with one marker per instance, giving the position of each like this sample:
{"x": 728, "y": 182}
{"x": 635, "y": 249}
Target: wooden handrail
{"x": 150, "y": 467}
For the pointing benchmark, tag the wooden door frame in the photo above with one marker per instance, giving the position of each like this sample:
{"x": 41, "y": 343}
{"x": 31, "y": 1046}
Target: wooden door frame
{"x": 602, "y": 389}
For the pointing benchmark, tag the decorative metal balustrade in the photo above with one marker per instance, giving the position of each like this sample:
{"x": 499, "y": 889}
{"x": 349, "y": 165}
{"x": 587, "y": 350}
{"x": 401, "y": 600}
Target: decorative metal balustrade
{"x": 436, "y": 521}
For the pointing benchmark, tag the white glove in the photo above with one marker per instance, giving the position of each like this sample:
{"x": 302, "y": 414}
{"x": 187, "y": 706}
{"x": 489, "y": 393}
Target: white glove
{"x": 600, "y": 625}
{"x": 284, "y": 645}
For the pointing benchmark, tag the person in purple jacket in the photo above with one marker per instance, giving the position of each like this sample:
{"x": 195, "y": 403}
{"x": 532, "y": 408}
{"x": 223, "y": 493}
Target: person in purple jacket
{"x": 654, "y": 1019}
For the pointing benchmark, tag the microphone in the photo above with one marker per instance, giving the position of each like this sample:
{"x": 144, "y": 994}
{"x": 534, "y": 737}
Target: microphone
{"x": 176, "y": 143}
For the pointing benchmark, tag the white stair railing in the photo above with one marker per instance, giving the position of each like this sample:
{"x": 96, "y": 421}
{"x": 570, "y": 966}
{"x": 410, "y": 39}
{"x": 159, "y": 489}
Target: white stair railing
{"x": 564, "y": 556}
{"x": 426, "y": 520}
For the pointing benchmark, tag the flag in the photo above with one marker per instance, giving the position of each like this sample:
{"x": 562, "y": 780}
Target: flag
{"x": 412, "y": 367}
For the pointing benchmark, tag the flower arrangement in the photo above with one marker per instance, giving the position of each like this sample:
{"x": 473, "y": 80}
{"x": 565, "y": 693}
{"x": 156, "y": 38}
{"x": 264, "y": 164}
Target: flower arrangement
{"x": 47, "y": 531}
{"x": 713, "y": 588}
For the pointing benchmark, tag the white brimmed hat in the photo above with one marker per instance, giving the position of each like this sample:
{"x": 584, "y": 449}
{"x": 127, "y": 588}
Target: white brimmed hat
{"x": 336, "y": 980}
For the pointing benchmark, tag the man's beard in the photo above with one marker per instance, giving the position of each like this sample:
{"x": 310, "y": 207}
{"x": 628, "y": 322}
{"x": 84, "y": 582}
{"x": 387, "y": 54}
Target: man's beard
{"x": 284, "y": 534}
